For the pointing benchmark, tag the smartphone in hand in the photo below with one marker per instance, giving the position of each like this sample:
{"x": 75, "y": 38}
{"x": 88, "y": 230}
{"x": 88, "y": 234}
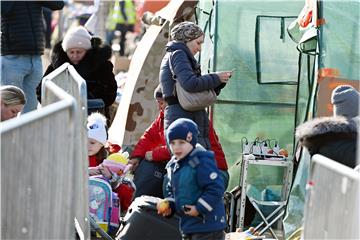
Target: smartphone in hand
{"x": 231, "y": 72}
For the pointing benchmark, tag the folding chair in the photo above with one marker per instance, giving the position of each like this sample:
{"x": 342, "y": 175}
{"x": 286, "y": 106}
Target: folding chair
{"x": 267, "y": 220}
{"x": 272, "y": 218}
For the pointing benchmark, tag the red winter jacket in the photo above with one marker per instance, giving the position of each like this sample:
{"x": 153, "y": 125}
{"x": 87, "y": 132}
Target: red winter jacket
{"x": 216, "y": 148}
{"x": 93, "y": 162}
{"x": 154, "y": 140}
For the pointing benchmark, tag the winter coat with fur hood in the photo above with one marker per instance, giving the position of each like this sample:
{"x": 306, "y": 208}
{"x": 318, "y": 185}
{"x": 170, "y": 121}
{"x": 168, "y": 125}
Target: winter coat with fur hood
{"x": 95, "y": 68}
{"x": 332, "y": 137}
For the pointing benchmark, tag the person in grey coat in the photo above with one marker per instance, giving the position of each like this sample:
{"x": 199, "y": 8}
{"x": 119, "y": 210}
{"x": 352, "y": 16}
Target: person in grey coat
{"x": 187, "y": 39}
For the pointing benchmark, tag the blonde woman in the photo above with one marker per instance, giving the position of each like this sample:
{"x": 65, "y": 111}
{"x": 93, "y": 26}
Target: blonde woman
{"x": 12, "y": 101}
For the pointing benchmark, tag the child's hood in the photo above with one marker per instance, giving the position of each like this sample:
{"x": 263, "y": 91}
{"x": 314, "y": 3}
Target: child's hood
{"x": 200, "y": 151}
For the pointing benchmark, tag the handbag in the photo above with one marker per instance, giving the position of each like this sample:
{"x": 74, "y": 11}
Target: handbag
{"x": 192, "y": 101}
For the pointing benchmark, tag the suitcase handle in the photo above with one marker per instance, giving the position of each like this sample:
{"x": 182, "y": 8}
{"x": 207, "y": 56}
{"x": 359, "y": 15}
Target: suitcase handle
{"x": 150, "y": 206}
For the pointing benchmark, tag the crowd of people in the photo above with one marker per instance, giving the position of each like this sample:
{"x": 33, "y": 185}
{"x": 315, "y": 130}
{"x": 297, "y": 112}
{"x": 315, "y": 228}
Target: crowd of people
{"x": 26, "y": 32}
{"x": 179, "y": 158}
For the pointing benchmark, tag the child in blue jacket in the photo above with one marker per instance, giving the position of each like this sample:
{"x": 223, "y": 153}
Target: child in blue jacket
{"x": 195, "y": 188}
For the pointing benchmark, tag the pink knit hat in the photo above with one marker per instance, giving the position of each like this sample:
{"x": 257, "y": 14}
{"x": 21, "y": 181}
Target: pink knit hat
{"x": 77, "y": 37}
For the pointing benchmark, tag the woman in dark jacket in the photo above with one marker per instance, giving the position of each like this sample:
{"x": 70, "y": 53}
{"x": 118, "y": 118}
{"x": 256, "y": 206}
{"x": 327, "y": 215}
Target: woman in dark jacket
{"x": 90, "y": 60}
{"x": 187, "y": 39}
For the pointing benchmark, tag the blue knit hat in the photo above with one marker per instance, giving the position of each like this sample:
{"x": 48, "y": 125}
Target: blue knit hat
{"x": 183, "y": 128}
{"x": 345, "y": 99}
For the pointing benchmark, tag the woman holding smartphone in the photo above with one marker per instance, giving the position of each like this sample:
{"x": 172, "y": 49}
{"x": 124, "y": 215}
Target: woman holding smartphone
{"x": 187, "y": 39}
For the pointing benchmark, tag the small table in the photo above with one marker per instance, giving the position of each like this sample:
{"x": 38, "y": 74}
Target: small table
{"x": 249, "y": 160}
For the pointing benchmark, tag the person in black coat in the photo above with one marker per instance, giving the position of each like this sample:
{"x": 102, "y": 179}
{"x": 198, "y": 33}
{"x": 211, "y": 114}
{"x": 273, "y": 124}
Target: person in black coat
{"x": 335, "y": 137}
{"x": 22, "y": 44}
{"x": 332, "y": 137}
{"x": 90, "y": 59}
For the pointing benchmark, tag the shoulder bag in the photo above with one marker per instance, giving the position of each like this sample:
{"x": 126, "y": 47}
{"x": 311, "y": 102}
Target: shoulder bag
{"x": 192, "y": 101}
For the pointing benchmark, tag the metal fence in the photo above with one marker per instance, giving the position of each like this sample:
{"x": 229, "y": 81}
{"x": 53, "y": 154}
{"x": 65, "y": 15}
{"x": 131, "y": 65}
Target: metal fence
{"x": 36, "y": 171}
{"x": 332, "y": 204}
{"x": 68, "y": 79}
{"x": 44, "y": 164}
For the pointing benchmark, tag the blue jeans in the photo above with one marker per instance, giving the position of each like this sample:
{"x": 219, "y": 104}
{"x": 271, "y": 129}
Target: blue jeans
{"x": 25, "y": 72}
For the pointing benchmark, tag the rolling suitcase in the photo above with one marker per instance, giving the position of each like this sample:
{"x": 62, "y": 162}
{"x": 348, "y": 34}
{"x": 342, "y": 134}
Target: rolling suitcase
{"x": 142, "y": 222}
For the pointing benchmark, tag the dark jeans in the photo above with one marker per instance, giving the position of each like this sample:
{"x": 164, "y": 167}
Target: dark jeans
{"x": 148, "y": 178}
{"x": 220, "y": 235}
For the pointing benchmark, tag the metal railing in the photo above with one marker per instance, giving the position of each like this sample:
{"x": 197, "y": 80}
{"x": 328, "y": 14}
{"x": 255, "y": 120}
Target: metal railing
{"x": 332, "y": 204}
{"x": 68, "y": 79}
{"x": 36, "y": 171}
{"x": 44, "y": 164}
